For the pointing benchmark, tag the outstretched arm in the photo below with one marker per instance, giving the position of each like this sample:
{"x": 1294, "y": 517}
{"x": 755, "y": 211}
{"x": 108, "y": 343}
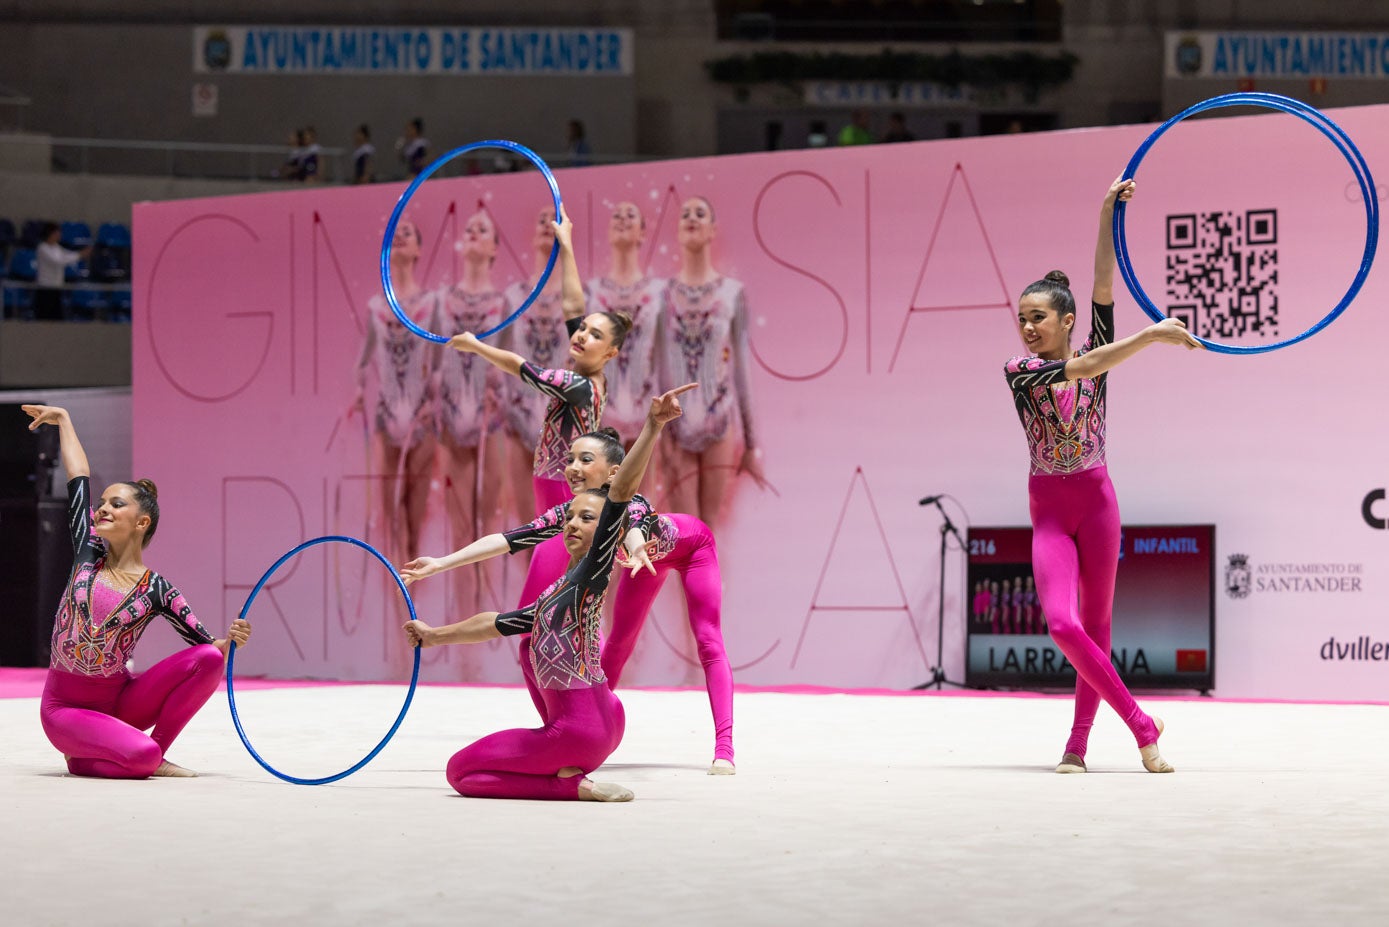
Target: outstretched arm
{"x": 481, "y": 627}
{"x": 74, "y": 458}
{"x": 664, "y": 408}
{"x": 484, "y": 548}
{"x": 1095, "y": 362}
{"x": 1119, "y": 190}
{"x": 505, "y": 361}
{"x": 571, "y": 285}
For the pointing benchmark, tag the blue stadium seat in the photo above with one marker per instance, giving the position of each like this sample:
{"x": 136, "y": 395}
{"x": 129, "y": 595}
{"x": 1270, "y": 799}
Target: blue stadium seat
{"x": 85, "y": 304}
{"x": 110, "y": 265}
{"x": 120, "y": 305}
{"x": 113, "y": 235}
{"x": 19, "y": 302}
{"x": 76, "y": 273}
{"x": 76, "y": 235}
{"x": 23, "y": 265}
{"x": 8, "y": 233}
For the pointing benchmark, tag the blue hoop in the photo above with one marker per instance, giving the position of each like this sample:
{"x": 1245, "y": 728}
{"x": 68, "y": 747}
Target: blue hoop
{"x": 400, "y": 205}
{"x": 1338, "y": 137}
{"x": 231, "y": 662}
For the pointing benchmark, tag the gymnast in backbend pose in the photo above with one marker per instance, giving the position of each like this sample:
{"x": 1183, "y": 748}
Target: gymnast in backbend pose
{"x": 94, "y": 710}
{"x": 584, "y": 720}
{"x": 656, "y": 545}
{"x": 1059, "y": 393}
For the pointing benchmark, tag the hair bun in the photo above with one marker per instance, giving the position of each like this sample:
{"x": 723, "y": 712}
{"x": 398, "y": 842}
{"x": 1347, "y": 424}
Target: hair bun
{"x": 610, "y": 431}
{"x": 1057, "y": 276}
{"x": 149, "y": 487}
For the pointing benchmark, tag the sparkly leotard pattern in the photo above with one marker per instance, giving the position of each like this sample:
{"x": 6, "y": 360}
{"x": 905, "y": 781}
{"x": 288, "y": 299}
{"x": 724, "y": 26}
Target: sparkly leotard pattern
{"x": 632, "y": 373}
{"x": 704, "y": 335}
{"x": 565, "y": 622}
{"x": 464, "y": 378}
{"x": 403, "y": 363}
{"x": 93, "y": 636}
{"x": 576, "y": 407}
{"x": 1065, "y": 433}
{"x": 540, "y": 336}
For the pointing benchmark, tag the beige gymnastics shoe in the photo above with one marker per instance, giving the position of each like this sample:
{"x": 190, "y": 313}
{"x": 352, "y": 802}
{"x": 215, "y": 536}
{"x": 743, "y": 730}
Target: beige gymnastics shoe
{"x": 1071, "y": 763}
{"x": 1152, "y": 758}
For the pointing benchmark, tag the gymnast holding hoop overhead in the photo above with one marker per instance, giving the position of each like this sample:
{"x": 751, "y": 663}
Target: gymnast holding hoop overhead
{"x": 1059, "y": 393}
{"x": 584, "y": 720}
{"x": 94, "y": 710}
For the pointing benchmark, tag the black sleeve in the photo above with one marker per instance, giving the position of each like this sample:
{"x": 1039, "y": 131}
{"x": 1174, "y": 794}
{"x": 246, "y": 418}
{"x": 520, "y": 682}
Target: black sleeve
{"x": 520, "y": 621}
{"x": 1025, "y": 373}
{"x": 593, "y": 570}
{"x": 572, "y": 325}
{"x": 85, "y": 544}
{"x": 1101, "y": 326}
{"x": 546, "y": 525}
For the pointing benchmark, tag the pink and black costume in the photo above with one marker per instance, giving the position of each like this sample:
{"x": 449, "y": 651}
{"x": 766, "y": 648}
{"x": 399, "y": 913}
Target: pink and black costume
{"x": 93, "y": 709}
{"x": 1075, "y": 525}
{"x": 541, "y": 335}
{"x": 583, "y": 719}
{"x": 679, "y": 543}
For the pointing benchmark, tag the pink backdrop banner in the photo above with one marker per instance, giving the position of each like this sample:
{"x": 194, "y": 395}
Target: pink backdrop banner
{"x": 880, "y": 285}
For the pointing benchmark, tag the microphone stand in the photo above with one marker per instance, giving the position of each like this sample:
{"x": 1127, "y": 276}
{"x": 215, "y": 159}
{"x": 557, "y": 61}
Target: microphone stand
{"x": 938, "y": 678}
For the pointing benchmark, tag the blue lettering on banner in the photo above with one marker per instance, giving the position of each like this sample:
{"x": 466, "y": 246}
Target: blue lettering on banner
{"x": 1298, "y": 54}
{"x": 439, "y": 50}
{"x": 1181, "y": 545}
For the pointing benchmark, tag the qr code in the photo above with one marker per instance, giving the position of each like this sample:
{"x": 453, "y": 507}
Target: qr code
{"x": 1222, "y": 272}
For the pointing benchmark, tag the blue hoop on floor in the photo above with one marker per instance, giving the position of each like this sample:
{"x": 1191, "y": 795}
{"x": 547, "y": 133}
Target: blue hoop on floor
{"x": 231, "y": 662}
{"x": 1338, "y": 137}
{"x": 400, "y": 205}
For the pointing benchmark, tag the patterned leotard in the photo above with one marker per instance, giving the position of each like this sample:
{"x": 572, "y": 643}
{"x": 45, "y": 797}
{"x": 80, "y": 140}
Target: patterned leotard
{"x": 576, "y": 407}
{"x": 1065, "y": 425}
{"x": 632, "y": 373}
{"x": 403, "y": 363}
{"x": 97, "y": 638}
{"x": 539, "y": 335}
{"x": 464, "y": 378}
{"x": 705, "y": 341}
{"x": 565, "y": 622}
{"x": 658, "y": 531}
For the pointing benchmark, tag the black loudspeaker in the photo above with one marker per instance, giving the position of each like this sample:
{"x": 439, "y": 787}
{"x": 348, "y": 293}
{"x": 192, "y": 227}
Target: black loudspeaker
{"x": 27, "y": 458}
{"x": 35, "y": 560}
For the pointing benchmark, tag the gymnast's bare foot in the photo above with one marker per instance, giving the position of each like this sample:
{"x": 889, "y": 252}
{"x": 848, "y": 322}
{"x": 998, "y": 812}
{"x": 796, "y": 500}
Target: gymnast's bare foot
{"x": 722, "y": 767}
{"x": 1152, "y": 758}
{"x": 167, "y": 770}
{"x": 1071, "y": 763}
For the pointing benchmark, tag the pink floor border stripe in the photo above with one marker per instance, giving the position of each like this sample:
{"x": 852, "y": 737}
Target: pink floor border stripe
{"x": 28, "y": 683}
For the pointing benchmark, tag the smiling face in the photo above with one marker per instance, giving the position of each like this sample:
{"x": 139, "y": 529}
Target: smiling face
{"x": 697, "y": 227}
{"x": 584, "y": 510}
{"x": 1043, "y": 330}
{"x": 480, "y": 238}
{"x": 118, "y": 519}
{"x": 591, "y": 346}
{"x": 405, "y": 244}
{"x": 588, "y": 466}
{"x": 627, "y": 227}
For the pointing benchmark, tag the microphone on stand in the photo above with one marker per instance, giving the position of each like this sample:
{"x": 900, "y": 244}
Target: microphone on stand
{"x": 931, "y": 499}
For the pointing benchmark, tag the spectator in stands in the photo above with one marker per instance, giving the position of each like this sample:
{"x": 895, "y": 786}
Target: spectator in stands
{"x": 363, "y": 156}
{"x": 580, "y": 155}
{"x": 53, "y": 259}
{"x": 293, "y": 167}
{"x": 857, "y": 131}
{"x": 413, "y": 147}
{"x": 897, "y": 130}
{"x": 818, "y": 136}
{"x": 309, "y": 161}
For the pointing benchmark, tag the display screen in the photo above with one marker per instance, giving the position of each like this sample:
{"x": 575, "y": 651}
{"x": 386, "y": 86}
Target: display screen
{"x": 1164, "y": 611}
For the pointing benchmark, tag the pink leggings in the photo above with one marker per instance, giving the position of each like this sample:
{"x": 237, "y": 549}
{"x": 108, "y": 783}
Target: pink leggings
{"x": 99, "y": 721}
{"x": 549, "y": 560}
{"x": 584, "y": 728}
{"x": 696, "y": 559}
{"x": 548, "y": 494}
{"x": 1075, "y": 554}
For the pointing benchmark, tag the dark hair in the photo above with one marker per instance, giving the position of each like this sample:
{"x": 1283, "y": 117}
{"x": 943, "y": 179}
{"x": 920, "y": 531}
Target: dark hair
{"x": 48, "y": 229}
{"x": 418, "y": 123}
{"x": 621, "y": 323}
{"x": 365, "y": 130}
{"x": 1056, "y": 287}
{"x": 613, "y": 451}
{"x": 147, "y": 498}
{"x": 594, "y": 491}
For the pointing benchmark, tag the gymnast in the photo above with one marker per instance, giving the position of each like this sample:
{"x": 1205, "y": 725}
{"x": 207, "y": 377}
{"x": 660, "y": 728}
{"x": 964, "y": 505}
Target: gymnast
{"x": 1059, "y": 393}
{"x": 656, "y": 545}
{"x": 94, "y": 709}
{"x": 584, "y": 720}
